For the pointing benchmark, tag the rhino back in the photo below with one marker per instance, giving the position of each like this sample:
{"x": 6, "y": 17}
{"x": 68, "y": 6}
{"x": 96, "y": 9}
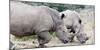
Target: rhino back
{"x": 25, "y": 18}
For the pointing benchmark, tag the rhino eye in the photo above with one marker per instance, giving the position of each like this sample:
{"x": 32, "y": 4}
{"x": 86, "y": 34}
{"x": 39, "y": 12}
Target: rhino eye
{"x": 80, "y": 21}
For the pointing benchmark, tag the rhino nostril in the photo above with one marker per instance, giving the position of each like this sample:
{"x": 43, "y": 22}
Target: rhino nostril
{"x": 82, "y": 42}
{"x": 65, "y": 41}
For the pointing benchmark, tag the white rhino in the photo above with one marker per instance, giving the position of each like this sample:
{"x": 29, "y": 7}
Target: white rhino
{"x": 74, "y": 24}
{"x": 26, "y": 20}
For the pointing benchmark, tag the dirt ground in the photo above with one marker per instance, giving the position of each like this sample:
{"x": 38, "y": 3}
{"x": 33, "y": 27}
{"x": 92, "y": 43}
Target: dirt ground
{"x": 87, "y": 16}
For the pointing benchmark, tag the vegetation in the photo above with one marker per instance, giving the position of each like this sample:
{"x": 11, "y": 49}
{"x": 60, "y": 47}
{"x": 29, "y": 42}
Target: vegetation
{"x": 60, "y": 7}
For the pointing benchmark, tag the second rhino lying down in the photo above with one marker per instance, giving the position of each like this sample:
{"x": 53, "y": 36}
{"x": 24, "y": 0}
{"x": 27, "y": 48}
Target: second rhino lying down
{"x": 26, "y": 20}
{"x": 74, "y": 24}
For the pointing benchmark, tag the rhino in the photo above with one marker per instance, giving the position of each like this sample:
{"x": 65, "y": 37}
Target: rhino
{"x": 74, "y": 24}
{"x": 28, "y": 20}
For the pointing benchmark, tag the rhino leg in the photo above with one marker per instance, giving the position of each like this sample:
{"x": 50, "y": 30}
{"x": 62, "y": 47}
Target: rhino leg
{"x": 43, "y": 38}
{"x": 72, "y": 32}
{"x": 72, "y": 38}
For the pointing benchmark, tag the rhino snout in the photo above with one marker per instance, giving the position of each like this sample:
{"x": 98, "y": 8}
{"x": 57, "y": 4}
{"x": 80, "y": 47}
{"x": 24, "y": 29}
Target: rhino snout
{"x": 65, "y": 41}
{"x": 84, "y": 41}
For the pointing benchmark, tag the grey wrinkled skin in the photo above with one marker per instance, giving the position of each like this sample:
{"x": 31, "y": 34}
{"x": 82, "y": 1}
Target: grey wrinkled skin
{"x": 26, "y": 20}
{"x": 74, "y": 24}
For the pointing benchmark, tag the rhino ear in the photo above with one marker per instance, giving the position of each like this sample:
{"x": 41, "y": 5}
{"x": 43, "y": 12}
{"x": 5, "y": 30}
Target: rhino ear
{"x": 62, "y": 16}
{"x": 80, "y": 21}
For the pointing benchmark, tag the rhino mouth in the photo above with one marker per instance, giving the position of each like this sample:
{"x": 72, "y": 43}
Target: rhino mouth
{"x": 65, "y": 41}
{"x": 82, "y": 42}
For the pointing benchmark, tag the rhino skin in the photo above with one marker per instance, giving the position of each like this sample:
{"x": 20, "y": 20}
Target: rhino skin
{"x": 26, "y": 20}
{"x": 74, "y": 24}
